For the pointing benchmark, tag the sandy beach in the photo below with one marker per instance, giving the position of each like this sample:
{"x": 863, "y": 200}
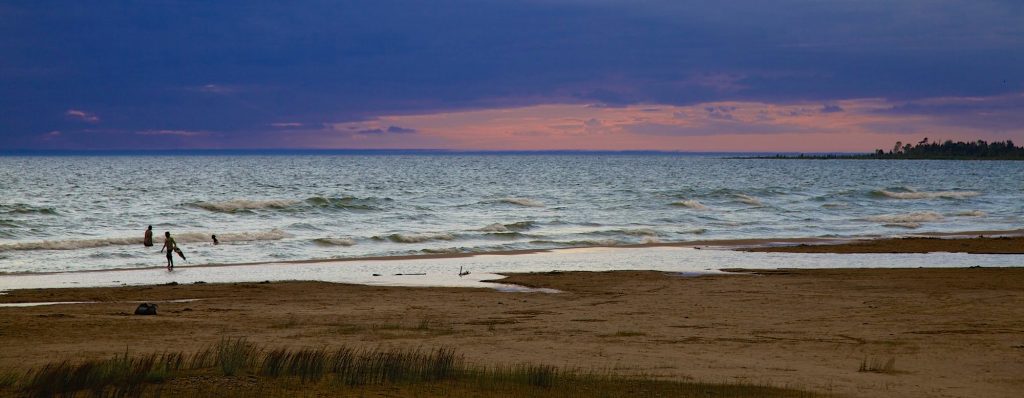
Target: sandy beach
{"x": 948, "y": 332}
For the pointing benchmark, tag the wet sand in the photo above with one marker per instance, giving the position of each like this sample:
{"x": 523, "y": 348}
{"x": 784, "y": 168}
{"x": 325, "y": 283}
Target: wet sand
{"x": 979, "y": 245}
{"x": 950, "y": 332}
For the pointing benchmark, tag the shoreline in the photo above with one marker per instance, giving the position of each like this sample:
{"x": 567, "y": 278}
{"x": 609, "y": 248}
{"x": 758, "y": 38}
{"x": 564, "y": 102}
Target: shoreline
{"x": 950, "y": 332}
{"x": 782, "y": 245}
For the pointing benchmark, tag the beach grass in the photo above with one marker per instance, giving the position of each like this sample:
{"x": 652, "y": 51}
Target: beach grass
{"x": 877, "y": 365}
{"x": 234, "y": 367}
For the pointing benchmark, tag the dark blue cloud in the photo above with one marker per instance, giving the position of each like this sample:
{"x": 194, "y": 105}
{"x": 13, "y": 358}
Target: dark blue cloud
{"x": 235, "y": 67}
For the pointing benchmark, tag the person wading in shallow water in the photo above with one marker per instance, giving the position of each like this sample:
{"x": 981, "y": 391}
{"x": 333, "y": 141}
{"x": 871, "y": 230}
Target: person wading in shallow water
{"x": 170, "y": 245}
{"x": 147, "y": 240}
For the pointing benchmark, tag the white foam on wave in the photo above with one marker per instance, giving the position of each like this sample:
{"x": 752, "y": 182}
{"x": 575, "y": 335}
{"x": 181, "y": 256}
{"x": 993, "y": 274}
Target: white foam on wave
{"x": 229, "y": 206}
{"x": 186, "y": 237}
{"x": 907, "y": 218}
{"x": 971, "y": 213}
{"x": 640, "y": 232}
{"x": 496, "y": 227}
{"x": 928, "y": 195}
{"x": 750, "y": 200}
{"x": 522, "y": 202}
{"x": 691, "y": 203}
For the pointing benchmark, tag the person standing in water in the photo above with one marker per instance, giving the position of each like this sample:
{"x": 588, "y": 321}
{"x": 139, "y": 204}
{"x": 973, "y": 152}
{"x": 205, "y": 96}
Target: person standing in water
{"x": 148, "y": 239}
{"x": 170, "y": 245}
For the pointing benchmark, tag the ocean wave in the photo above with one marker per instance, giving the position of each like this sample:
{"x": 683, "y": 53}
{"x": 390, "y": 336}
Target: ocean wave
{"x": 187, "y": 237}
{"x": 907, "y": 218}
{"x": 21, "y": 208}
{"x": 335, "y": 241}
{"x": 526, "y": 202}
{"x": 516, "y": 226}
{"x": 907, "y": 225}
{"x": 238, "y": 205}
{"x": 691, "y": 203}
{"x": 346, "y": 202}
{"x": 445, "y": 250}
{"x": 417, "y": 238}
{"x": 626, "y": 231}
{"x": 750, "y": 200}
{"x": 910, "y": 194}
{"x": 971, "y": 213}
{"x": 582, "y": 242}
{"x": 506, "y": 235}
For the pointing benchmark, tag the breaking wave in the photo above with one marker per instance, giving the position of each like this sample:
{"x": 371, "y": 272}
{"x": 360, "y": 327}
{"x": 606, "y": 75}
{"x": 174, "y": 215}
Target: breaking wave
{"x": 526, "y": 202}
{"x": 237, "y": 205}
{"x": 335, "y": 241}
{"x": 416, "y": 238}
{"x": 516, "y": 226}
{"x": 346, "y": 202}
{"x": 691, "y": 203}
{"x": 585, "y": 242}
{"x": 750, "y": 200}
{"x": 907, "y": 218}
{"x": 910, "y": 194}
{"x": 187, "y": 237}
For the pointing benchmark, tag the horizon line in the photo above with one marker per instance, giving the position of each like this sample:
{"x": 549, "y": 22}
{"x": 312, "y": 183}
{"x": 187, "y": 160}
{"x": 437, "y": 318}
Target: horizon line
{"x": 375, "y": 151}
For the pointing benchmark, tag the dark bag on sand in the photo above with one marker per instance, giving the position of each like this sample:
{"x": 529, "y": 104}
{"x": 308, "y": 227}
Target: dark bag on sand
{"x": 146, "y": 309}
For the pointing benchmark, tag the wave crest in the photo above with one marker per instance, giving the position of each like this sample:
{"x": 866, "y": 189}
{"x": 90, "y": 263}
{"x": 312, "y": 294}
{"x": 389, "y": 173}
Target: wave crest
{"x": 516, "y": 226}
{"x": 344, "y": 202}
{"x": 418, "y": 238}
{"x": 526, "y": 202}
{"x": 335, "y": 241}
{"x": 237, "y": 205}
{"x": 690, "y": 203}
{"x": 907, "y": 218}
{"x": 750, "y": 200}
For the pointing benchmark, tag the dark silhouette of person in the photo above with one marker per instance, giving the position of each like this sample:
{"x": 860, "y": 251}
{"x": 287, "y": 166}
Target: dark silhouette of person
{"x": 147, "y": 240}
{"x": 171, "y": 246}
{"x": 215, "y": 241}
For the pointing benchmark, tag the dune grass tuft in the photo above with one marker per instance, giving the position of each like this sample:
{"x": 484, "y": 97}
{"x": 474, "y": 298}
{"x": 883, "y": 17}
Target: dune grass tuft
{"x": 249, "y": 370}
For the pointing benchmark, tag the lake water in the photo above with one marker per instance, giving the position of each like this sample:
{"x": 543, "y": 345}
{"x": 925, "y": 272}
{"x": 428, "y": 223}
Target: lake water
{"x": 69, "y": 213}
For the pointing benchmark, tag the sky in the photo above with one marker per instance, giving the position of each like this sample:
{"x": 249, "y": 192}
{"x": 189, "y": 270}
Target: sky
{"x": 674, "y": 75}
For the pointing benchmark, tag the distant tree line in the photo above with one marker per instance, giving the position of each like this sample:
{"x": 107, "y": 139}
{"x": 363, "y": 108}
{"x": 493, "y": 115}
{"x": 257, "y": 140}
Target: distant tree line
{"x": 980, "y": 149}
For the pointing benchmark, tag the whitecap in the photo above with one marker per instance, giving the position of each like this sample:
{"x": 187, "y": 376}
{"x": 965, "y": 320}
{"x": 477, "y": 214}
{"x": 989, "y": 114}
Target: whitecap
{"x": 750, "y": 200}
{"x": 231, "y": 206}
{"x": 420, "y": 237}
{"x": 907, "y": 218}
{"x": 691, "y": 203}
